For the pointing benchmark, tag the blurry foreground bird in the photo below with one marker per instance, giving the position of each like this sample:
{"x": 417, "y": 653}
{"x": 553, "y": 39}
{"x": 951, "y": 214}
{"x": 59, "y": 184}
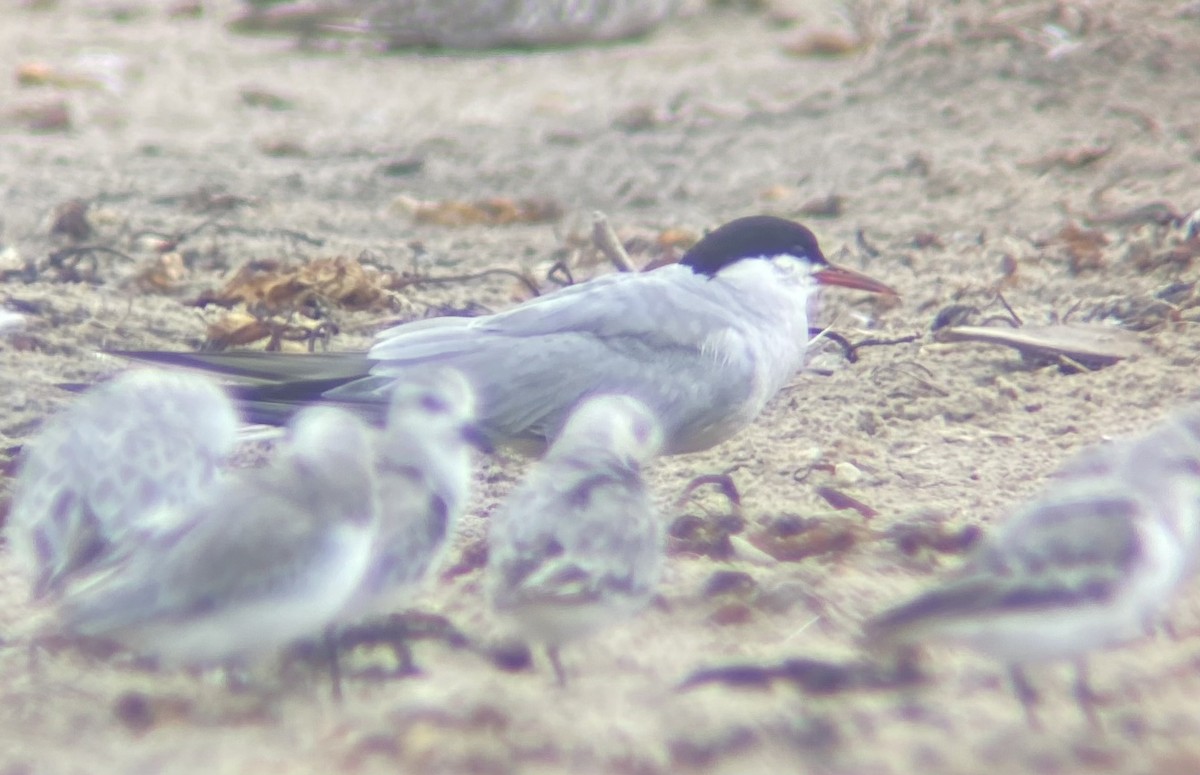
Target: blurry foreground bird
{"x": 114, "y": 469}
{"x": 578, "y": 544}
{"x": 264, "y": 558}
{"x": 1093, "y": 562}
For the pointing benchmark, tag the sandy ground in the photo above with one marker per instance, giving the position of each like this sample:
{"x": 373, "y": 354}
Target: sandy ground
{"x": 963, "y": 138}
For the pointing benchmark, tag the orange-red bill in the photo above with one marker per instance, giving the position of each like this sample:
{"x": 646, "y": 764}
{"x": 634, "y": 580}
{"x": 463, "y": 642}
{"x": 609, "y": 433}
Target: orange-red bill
{"x": 848, "y": 278}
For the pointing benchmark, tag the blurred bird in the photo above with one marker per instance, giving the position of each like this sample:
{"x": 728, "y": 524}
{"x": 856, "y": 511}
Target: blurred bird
{"x": 114, "y": 469}
{"x": 424, "y": 479}
{"x": 704, "y": 343}
{"x": 266, "y": 557}
{"x": 1093, "y": 562}
{"x": 578, "y": 544}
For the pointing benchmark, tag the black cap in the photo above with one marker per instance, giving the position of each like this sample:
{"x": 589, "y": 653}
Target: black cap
{"x": 756, "y": 236}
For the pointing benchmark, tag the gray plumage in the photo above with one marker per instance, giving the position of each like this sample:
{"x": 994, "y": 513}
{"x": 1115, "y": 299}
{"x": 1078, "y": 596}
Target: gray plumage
{"x": 578, "y": 544}
{"x": 1093, "y": 562}
{"x": 423, "y": 479}
{"x": 704, "y": 343}
{"x": 113, "y": 469}
{"x": 268, "y": 557}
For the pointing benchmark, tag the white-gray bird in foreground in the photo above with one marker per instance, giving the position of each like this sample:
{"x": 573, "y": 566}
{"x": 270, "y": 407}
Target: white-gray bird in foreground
{"x": 1093, "y": 562}
{"x": 705, "y": 343}
{"x": 268, "y": 557}
{"x": 578, "y": 544}
{"x": 114, "y": 469}
{"x": 424, "y": 480}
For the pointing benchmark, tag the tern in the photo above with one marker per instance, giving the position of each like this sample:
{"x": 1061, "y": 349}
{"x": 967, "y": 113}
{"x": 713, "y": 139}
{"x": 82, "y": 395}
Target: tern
{"x": 704, "y": 343}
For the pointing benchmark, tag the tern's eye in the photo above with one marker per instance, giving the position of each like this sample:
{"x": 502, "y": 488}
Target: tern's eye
{"x": 434, "y": 404}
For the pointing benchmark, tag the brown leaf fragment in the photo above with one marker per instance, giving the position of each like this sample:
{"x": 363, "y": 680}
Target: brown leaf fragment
{"x": 236, "y": 329}
{"x": 340, "y": 281}
{"x": 494, "y": 211}
{"x": 240, "y": 327}
{"x": 841, "y": 501}
{"x": 792, "y": 538}
{"x": 1084, "y": 248}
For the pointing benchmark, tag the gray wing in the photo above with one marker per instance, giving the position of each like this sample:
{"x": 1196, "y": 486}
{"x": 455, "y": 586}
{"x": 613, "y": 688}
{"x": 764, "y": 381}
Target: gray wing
{"x": 257, "y": 537}
{"x": 415, "y": 524}
{"x": 1067, "y": 549}
{"x": 642, "y": 335}
{"x": 124, "y": 455}
{"x": 1083, "y": 528}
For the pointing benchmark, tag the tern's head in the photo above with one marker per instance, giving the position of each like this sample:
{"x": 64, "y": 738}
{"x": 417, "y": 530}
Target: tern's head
{"x": 438, "y": 404}
{"x": 785, "y": 243}
{"x": 620, "y": 424}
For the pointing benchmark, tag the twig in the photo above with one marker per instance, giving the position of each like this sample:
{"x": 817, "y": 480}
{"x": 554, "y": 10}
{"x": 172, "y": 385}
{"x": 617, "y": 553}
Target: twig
{"x": 841, "y": 341}
{"x": 1012, "y": 312}
{"x": 560, "y": 268}
{"x": 606, "y": 242}
{"x": 884, "y": 342}
{"x": 723, "y": 482}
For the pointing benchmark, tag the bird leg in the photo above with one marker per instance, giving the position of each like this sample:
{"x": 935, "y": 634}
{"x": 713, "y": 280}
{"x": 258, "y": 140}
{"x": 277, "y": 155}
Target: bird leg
{"x": 1026, "y": 694}
{"x": 1085, "y": 695}
{"x": 335, "y": 664}
{"x": 556, "y": 663}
